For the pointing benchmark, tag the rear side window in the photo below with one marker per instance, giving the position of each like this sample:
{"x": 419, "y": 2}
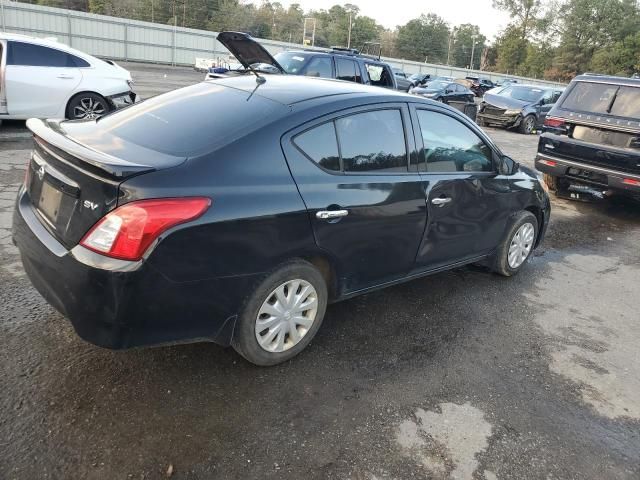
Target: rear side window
{"x": 372, "y": 141}
{"x": 319, "y": 67}
{"x": 320, "y": 145}
{"x": 346, "y": 70}
{"x": 27, "y": 54}
{"x": 627, "y": 103}
{"x": 450, "y": 146}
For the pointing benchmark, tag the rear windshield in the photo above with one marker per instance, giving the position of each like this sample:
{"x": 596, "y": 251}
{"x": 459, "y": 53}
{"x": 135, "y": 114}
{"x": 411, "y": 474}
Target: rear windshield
{"x": 192, "y": 120}
{"x": 604, "y": 99}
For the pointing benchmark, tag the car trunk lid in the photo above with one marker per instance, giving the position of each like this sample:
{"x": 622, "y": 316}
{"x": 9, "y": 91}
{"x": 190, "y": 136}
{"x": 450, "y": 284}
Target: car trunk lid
{"x": 71, "y": 183}
{"x": 596, "y": 145}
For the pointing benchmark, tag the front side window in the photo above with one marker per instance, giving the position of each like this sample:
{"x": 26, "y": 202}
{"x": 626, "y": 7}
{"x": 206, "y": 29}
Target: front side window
{"x": 27, "y": 54}
{"x": 379, "y": 75}
{"x": 373, "y": 141}
{"x": 319, "y": 67}
{"x": 450, "y": 146}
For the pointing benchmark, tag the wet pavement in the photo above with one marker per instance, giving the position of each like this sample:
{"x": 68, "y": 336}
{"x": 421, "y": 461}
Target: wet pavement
{"x": 461, "y": 375}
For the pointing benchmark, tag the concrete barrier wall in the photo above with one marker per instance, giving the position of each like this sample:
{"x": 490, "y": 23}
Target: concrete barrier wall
{"x": 133, "y": 40}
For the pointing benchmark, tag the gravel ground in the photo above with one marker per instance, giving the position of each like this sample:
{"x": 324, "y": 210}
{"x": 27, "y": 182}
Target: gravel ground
{"x": 461, "y": 375}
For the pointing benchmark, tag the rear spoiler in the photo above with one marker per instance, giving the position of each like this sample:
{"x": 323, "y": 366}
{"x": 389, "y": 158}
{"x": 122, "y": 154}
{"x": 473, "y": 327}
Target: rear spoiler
{"x": 50, "y": 132}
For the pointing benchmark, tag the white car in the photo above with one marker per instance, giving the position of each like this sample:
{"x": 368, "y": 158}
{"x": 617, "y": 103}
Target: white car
{"x": 46, "y": 79}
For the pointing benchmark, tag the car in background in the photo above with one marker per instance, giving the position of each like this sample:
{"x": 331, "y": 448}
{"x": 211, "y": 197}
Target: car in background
{"x": 480, "y": 85}
{"x": 444, "y": 91}
{"x": 590, "y": 145}
{"x": 162, "y": 223}
{"x": 419, "y": 79}
{"x": 339, "y": 63}
{"x": 45, "y": 79}
{"x": 440, "y": 78}
{"x": 505, "y": 81}
{"x": 523, "y": 107}
{"x": 402, "y": 81}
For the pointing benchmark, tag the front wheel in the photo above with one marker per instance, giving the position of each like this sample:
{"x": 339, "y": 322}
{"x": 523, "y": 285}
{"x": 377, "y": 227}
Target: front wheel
{"x": 528, "y": 125}
{"x": 87, "y": 106}
{"x": 517, "y": 246}
{"x": 282, "y": 315}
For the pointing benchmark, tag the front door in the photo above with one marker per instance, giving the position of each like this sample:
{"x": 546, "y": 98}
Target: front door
{"x": 366, "y": 208}
{"x": 38, "y": 80}
{"x": 3, "y": 97}
{"x": 467, "y": 200}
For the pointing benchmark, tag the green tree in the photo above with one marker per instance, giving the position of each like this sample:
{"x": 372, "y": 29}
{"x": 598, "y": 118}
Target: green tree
{"x": 461, "y": 42}
{"x": 423, "y": 38}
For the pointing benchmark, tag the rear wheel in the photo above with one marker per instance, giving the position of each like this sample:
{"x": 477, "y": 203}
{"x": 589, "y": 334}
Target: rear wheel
{"x": 528, "y": 125}
{"x": 87, "y": 106}
{"x": 517, "y": 246}
{"x": 282, "y": 315}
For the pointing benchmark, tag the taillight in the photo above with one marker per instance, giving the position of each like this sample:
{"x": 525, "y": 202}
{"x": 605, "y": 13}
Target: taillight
{"x": 128, "y": 231}
{"x": 631, "y": 181}
{"x": 550, "y": 163}
{"x": 554, "y": 122}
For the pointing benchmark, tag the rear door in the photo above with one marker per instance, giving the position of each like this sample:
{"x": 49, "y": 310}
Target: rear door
{"x": 366, "y": 207}
{"x": 468, "y": 202}
{"x": 39, "y": 80}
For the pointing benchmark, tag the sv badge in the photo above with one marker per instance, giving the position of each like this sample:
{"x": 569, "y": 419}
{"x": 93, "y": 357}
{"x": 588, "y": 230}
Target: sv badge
{"x": 89, "y": 205}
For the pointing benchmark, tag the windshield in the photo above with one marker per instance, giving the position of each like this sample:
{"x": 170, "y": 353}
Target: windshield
{"x": 524, "y": 94}
{"x": 292, "y": 62}
{"x": 602, "y": 98}
{"x": 438, "y": 85}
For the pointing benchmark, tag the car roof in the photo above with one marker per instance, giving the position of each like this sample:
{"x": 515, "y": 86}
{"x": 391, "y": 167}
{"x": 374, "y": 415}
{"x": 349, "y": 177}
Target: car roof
{"x": 337, "y": 53}
{"x": 45, "y": 42}
{"x": 595, "y": 78}
{"x": 292, "y": 89}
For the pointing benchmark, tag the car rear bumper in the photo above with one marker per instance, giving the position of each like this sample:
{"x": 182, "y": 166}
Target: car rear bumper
{"x": 506, "y": 121}
{"x": 591, "y": 174}
{"x": 115, "y": 304}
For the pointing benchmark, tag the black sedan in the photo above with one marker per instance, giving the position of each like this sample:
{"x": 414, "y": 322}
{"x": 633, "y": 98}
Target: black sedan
{"x": 523, "y": 107}
{"x": 444, "y": 91}
{"x": 161, "y": 223}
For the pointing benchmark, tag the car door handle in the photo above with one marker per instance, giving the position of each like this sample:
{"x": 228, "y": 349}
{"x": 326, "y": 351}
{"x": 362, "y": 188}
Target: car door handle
{"x": 441, "y": 201}
{"x": 65, "y": 76}
{"x": 329, "y": 214}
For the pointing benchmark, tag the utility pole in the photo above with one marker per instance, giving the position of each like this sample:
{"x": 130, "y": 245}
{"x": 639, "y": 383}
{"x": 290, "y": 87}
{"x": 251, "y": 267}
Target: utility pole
{"x": 451, "y": 37}
{"x": 152, "y": 19}
{"x": 349, "y": 39}
{"x": 473, "y": 47}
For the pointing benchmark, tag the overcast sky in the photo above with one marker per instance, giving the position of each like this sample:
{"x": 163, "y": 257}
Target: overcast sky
{"x": 392, "y": 13}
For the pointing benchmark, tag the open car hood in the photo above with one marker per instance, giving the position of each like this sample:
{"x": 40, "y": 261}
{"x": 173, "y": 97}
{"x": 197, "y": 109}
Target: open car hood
{"x": 248, "y": 52}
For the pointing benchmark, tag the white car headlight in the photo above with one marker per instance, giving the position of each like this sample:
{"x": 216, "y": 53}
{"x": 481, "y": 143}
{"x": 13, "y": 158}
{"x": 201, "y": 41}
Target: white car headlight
{"x": 513, "y": 112}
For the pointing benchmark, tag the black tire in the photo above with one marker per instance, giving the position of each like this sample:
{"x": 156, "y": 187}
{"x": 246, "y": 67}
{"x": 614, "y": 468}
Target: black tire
{"x": 501, "y": 261}
{"x": 93, "y": 104}
{"x": 551, "y": 181}
{"x": 245, "y": 341}
{"x": 527, "y": 125}
{"x": 481, "y": 122}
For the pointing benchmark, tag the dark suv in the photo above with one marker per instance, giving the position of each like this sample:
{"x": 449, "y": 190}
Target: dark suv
{"x": 339, "y": 63}
{"x": 590, "y": 144}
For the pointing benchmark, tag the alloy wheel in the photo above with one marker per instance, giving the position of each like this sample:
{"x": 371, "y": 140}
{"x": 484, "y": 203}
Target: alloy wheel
{"x": 521, "y": 245}
{"x": 529, "y": 124}
{"x": 89, "y": 108}
{"x": 286, "y": 315}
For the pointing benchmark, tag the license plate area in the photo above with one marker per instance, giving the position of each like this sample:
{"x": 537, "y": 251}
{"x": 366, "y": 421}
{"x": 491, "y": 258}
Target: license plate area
{"x": 49, "y": 202}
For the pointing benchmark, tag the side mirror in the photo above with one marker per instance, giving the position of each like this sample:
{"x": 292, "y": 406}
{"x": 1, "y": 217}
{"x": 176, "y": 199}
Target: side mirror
{"x": 508, "y": 166}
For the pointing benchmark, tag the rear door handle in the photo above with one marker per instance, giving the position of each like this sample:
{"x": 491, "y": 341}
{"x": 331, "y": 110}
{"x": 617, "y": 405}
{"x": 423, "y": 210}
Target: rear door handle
{"x": 329, "y": 214}
{"x": 441, "y": 201}
{"x": 65, "y": 76}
